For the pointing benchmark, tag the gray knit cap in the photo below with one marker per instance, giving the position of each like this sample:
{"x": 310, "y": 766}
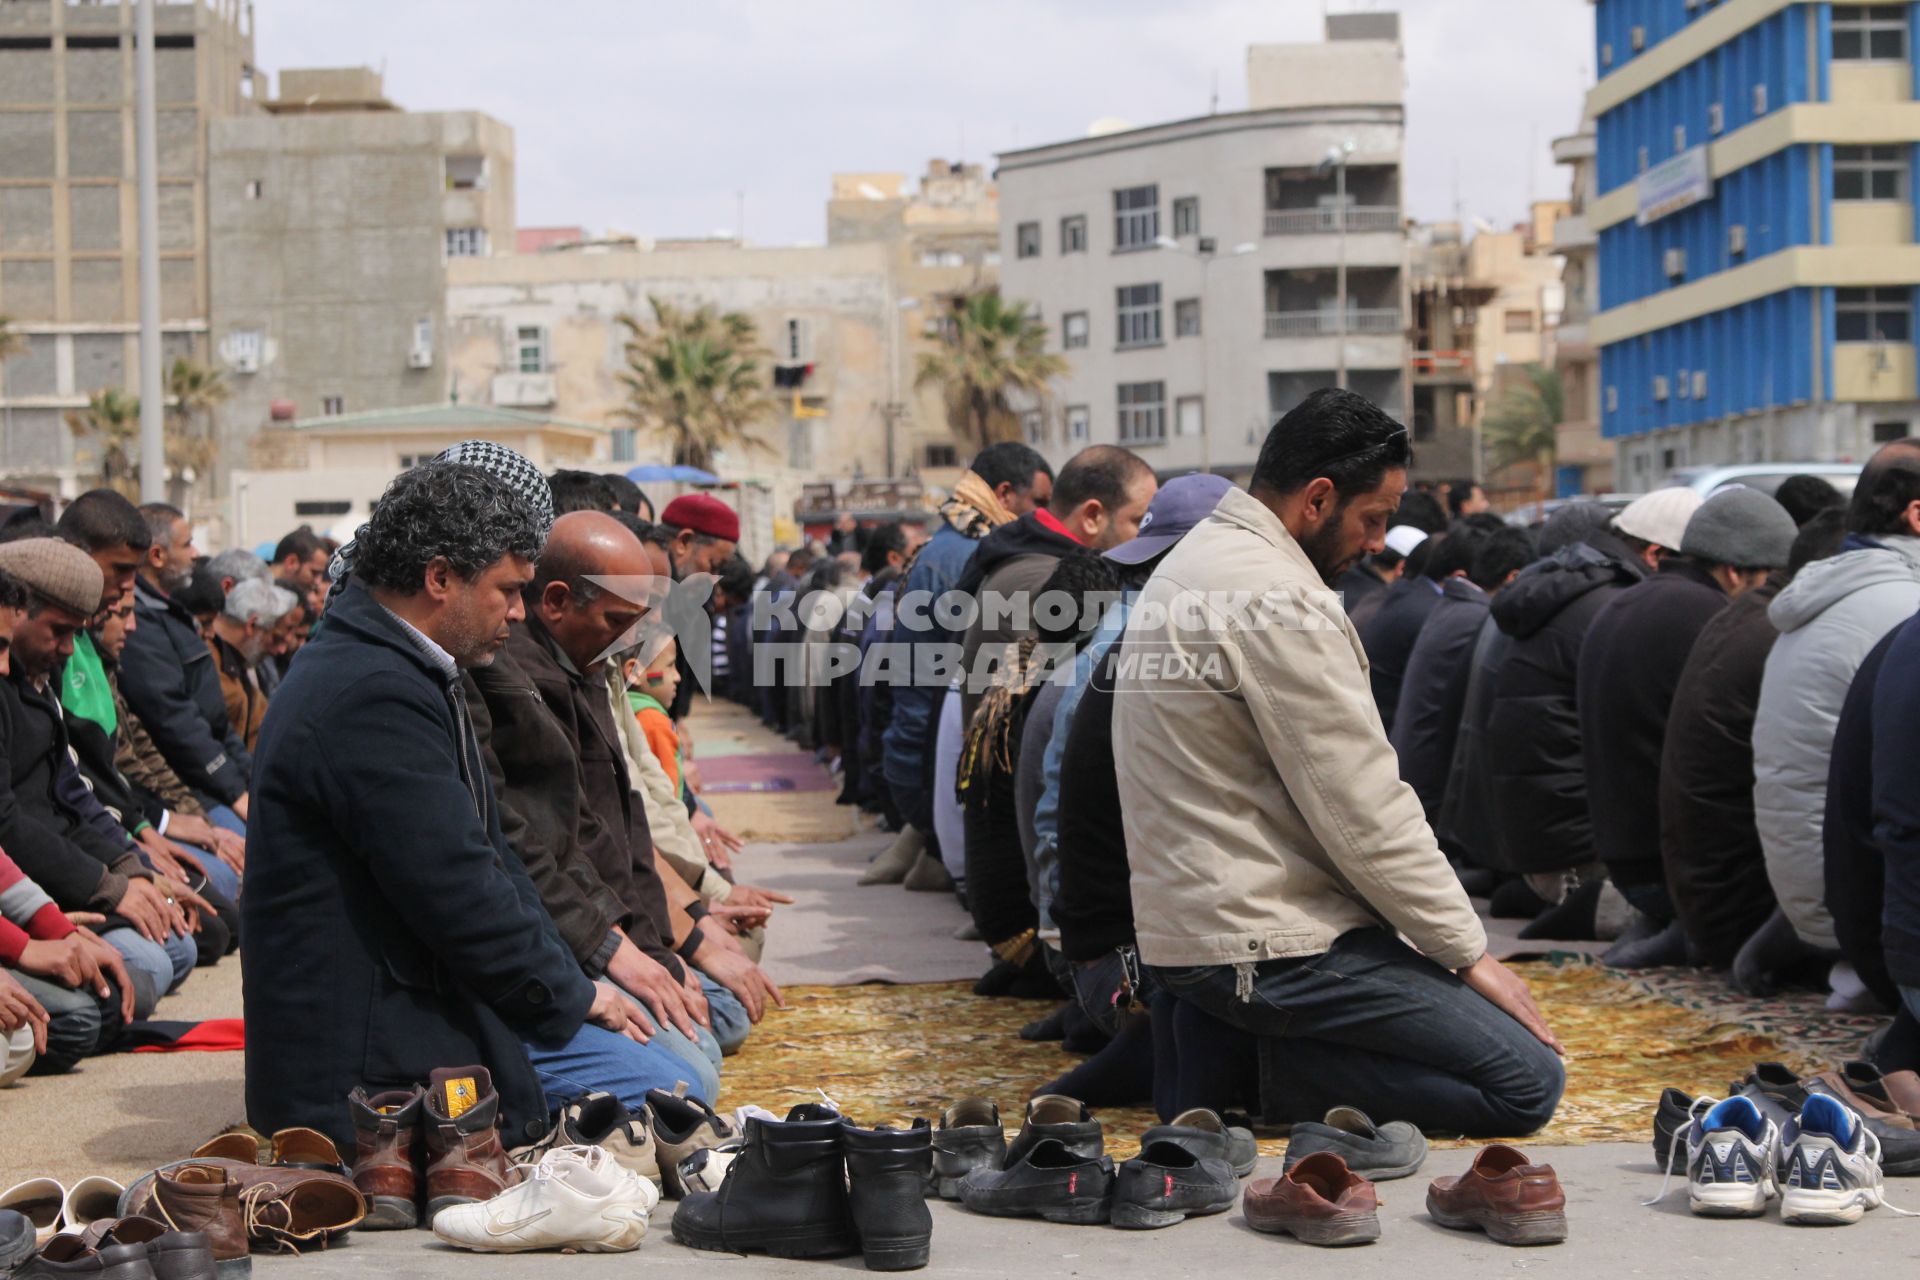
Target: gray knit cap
{"x": 56, "y": 571}
{"x": 1740, "y": 527}
{"x": 498, "y": 461}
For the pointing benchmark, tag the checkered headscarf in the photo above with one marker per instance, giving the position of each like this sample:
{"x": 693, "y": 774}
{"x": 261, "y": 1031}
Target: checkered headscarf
{"x": 496, "y": 460}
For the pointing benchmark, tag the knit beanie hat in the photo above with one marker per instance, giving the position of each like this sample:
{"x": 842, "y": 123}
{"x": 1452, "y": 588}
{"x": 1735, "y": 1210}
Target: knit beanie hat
{"x": 1741, "y": 527}
{"x": 1660, "y": 517}
{"x": 56, "y": 571}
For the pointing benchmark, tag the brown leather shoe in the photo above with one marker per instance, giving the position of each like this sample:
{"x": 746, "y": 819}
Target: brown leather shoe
{"x": 1873, "y": 1108}
{"x": 1903, "y": 1091}
{"x": 291, "y": 1149}
{"x": 1320, "y": 1201}
{"x": 1505, "y": 1195}
{"x": 294, "y": 1216}
{"x": 465, "y": 1161}
{"x": 198, "y": 1196}
{"x": 386, "y": 1162}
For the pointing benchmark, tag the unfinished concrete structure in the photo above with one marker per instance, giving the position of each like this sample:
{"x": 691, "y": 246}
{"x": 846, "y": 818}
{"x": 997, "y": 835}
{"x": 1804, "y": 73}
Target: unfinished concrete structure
{"x": 69, "y": 277}
{"x": 333, "y": 217}
{"x": 943, "y": 242}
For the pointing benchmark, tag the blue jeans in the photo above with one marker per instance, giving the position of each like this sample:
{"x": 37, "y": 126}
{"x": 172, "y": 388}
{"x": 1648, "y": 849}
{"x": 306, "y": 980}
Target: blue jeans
{"x": 698, "y": 1057}
{"x": 222, "y": 877}
{"x": 156, "y": 969}
{"x": 731, "y": 1025}
{"x": 1098, "y": 984}
{"x": 599, "y": 1059}
{"x": 1374, "y": 1024}
{"x": 77, "y": 1026}
{"x": 226, "y": 819}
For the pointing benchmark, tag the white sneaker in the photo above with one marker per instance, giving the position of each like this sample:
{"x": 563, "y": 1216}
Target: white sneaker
{"x": 601, "y": 1120}
{"x": 1832, "y": 1166}
{"x": 16, "y": 1055}
{"x": 42, "y": 1201}
{"x": 1732, "y": 1160}
{"x": 90, "y": 1200}
{"x": 576, "y": 1199}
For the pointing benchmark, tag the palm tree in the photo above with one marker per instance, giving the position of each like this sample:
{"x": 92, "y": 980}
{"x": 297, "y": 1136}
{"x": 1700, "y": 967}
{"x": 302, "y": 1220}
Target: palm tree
{"x": 991, "y": 350}
{"x": 694, "y": 377}
{"x": 193, "y": 391}
{"x": 1522, "y": 426}
{"x": 112, "y": 420}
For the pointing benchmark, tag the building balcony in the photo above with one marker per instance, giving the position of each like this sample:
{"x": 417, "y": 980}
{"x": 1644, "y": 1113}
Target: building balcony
{"x": 1572, "y": 233}
{"x": 525, "y": 390}
{"x": 1326, "y": 322}
{"x": 1326, "y": 220}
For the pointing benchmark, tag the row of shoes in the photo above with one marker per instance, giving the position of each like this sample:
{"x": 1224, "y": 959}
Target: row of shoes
{"x": 1057, "y": 1167}
{"x": 1888, "y": 1106}
{"x": 50, "y": 1208}
{"x": 133, "y": 1248}
{"x": 1321, "y": 1201}
{"x": 1822, "y": 1145}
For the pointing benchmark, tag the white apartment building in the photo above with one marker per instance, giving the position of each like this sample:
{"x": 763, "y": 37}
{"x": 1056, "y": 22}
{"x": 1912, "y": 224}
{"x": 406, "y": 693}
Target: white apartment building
{"x": 1193, "y": 272}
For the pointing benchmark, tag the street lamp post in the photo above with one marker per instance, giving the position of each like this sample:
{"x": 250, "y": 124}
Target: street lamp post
{"x": 1206, "y": 257}
{"x": 153, "y": 463}
{"x": 1337, "y": 161}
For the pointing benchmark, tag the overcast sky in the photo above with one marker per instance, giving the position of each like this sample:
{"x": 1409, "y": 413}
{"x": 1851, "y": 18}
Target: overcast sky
{"x": 650, "y": 115}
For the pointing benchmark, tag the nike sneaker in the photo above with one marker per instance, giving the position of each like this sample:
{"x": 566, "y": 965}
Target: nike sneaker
{"x": 576, "y": 1198}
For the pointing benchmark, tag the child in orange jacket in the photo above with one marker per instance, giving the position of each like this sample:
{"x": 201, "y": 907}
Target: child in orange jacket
{"x": 650, "y": 690}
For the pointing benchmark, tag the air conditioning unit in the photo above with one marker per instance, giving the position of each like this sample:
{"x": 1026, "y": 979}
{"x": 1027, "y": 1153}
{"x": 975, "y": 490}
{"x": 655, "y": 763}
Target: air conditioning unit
{"x": 1659, "y": 386}
{"x": 1639, "y": 39}
{"x": 1716, "y": 118}
{"x": 1699, "y": 384}
{"x": 1760, "y": 99}
{"x": 246, "y": 362}
{"x": 420, "y": 358}
{"x": 1737, "y": 238}
{"x": 1674, "y": 263}
{"x": 1683, "y": 384}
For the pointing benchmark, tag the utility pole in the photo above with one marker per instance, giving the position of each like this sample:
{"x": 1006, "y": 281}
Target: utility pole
{"x": 153, "y": 450}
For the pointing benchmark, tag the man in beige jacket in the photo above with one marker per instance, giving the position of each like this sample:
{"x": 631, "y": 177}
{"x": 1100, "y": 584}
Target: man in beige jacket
{"x": 1277, "y": 860}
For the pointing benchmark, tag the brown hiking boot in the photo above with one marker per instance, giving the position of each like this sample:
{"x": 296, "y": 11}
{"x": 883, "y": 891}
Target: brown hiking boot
{"x": 386, "y": 1162}
{"x": 1319, "y": 1201}
{"x": 1505, "y": 1195}
{"x": 465, "y": 1161}
{"x": 197, "y": 1197}
{"x": 294, "y": 1216}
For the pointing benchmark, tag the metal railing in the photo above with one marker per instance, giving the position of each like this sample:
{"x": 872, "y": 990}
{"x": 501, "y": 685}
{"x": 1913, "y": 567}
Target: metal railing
{"x": 1326, "y": 221}
{"x": 1320, "y": 324}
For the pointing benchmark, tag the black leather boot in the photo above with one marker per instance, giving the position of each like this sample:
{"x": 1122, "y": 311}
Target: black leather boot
{"x": 887, "y": 1170}
{"x": 784, "y": 1194}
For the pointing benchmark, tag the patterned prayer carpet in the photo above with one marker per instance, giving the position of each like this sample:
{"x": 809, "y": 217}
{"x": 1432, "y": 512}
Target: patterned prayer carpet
{"x": 890, "y": 1053}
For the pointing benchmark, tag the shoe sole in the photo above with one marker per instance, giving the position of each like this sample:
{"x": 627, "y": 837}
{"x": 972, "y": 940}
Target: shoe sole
{"x": 1077, "y": 1213}
{"x": 907, "y": 1253}
{"x": 389, "y": 1213}
{"x": 1739, "y": 1201}
{"x": 435, "y": 1205}
{"x": 565, "y": 1246}
{"x": 796, "y": 1242}
{"x": 1827, "y": 1208}
{"x": 1519, "y": 1230}
{"x": 1137, "y": 1217}
{"x": 1331, "y": 1233}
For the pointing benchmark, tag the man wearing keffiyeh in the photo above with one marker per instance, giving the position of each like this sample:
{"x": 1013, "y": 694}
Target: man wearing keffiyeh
{"x": 1004, "y": 483}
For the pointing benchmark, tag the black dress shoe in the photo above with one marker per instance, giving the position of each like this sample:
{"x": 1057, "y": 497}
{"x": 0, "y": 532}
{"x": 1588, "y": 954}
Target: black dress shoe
{"x": 1063, "y": 1119}
{"x": 1049, "y": 1181}
{"x": 785, "y": 1194}
{"x": 968, "y": 1137}
{"x": 1166, "y": 1182}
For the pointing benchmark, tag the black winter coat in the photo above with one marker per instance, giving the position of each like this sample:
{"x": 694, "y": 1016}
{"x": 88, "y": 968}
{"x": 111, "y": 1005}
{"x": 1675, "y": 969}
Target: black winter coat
{"x": 1389, "y": 637}
{"x": 1716, "y": 871}
{"x": 168, "y": 678}
{"x": 1434, "y": 691}
{"x": 1896, "y": 801}
{"x": 1468, "y": 826}
{"x": 1094, "y": 906}
{"x": 52, "y": 839}
{"x": 1629, "y": 669}
{"x": 389, "y": 929}
{"x": 1536, "y": 776}
{"x": 1856, "y": 874}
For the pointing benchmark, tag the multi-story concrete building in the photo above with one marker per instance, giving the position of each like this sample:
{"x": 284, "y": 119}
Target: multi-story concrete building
{"x": 1755, "y": 217}
{"x": 542, "y": 332}
{"x": 1445, "y": 302}
{"x": 943, "y": 241}
{"x": 1193, "y": 272}
{"x": 69, "y": 241}
{"x": 333, "y": 218}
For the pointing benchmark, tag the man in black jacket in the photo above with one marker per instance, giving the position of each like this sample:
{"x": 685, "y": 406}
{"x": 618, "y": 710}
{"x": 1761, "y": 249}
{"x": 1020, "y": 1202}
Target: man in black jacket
{"x": 389, "y": 929}
{"x": 1896, "y": 818}
{"x": 1629, "y": 668}
{"x": 50, "y": 823}
{"x": 168, "y": 677}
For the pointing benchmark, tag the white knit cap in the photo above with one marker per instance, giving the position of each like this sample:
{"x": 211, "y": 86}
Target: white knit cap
{"x": 1660, "y": 517}
{"x": 1403, "y": 538}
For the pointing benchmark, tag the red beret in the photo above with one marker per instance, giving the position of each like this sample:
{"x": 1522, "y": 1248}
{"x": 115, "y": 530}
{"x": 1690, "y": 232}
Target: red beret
{"x": 703, "y": 513}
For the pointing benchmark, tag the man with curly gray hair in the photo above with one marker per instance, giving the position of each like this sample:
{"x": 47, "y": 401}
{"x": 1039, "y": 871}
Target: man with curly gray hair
{"x": 393, "y": 933}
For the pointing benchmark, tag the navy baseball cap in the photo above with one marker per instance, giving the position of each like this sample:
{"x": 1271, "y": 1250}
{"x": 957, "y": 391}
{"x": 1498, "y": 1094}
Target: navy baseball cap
{"x": 1182, "y": 503}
